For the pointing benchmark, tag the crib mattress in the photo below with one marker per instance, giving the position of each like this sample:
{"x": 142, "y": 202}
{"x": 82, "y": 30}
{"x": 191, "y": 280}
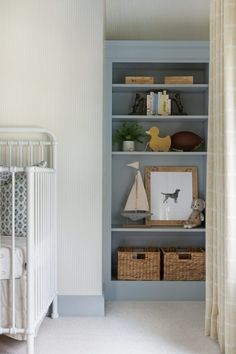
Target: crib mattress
{"x": 5, "y": 257}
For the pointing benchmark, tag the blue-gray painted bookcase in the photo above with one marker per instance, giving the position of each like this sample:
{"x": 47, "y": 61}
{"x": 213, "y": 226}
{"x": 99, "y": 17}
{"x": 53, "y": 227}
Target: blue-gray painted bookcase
{"x": 158, "y": 59}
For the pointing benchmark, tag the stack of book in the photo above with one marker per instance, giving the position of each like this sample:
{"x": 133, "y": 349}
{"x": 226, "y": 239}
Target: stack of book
{"x": 158, "y": 104}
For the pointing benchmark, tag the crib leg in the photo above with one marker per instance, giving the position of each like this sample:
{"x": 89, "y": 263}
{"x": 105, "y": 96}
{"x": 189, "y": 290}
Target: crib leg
{"x": 54, "y": 308}
{"x": 30, "y": 344}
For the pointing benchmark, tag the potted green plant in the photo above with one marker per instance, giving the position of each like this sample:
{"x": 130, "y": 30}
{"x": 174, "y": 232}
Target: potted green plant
{"x": 128, "y": 133}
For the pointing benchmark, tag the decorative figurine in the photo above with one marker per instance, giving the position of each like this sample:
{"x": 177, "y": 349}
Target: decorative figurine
{"x": 156, "y": 143}
{"x": 179, "y": 105}
{"x": 186, "y": 141}
{"x": 140, "y": 105}
{"x": 196, "y": 217}
{"x": 137, "y": 206}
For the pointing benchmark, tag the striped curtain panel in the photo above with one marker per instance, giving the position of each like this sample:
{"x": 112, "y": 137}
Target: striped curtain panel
{"x": 221, "y": 178}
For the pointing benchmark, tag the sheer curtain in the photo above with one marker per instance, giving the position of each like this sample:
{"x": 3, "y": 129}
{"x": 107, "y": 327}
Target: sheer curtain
{"x": 221, "y": 178}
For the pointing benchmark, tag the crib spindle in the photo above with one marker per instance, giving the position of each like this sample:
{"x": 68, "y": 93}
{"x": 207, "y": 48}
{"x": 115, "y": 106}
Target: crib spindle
{"x": 13, "y": 253}
{"x": 20, "y": 154}
{"x": 9, "y": 153}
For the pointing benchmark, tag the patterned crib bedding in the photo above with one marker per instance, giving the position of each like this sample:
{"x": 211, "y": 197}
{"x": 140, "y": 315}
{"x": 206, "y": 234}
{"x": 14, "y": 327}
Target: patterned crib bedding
{"x": 20, "y": 202}
{"x": 20, "y": 205}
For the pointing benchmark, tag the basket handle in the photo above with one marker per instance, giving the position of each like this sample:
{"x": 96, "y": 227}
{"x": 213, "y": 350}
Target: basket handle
{"x": 138, "y": 255}
{"x": 185, "y": 256}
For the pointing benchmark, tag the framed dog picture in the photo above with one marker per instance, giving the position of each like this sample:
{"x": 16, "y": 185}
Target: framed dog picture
{"x": 170, "y": 191}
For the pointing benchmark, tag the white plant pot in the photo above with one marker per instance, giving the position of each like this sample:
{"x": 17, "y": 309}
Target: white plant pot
{"x": 128, "y": 146}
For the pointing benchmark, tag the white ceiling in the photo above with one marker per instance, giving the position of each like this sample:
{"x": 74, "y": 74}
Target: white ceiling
{"x": 157, "y": 19}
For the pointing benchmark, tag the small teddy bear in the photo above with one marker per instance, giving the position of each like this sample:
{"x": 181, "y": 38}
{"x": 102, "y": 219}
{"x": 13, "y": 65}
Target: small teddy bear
{"x": 196, "y": 217}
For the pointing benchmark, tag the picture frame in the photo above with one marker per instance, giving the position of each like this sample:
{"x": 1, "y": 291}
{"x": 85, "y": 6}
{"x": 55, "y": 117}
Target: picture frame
{"x": 170, "y": 191}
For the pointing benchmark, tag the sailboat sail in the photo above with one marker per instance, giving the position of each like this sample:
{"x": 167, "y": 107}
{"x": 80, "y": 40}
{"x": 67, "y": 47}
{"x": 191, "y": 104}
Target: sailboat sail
{"x": 137, "y": 199}
{"x": 137, "y": 206}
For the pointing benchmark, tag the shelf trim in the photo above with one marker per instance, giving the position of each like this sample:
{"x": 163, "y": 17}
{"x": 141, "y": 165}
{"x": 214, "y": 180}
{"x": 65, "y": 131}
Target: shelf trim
{"x": 160, "y": 118}
{"x": 171, "y": 87}
{"x": 150, "y": 153}
{"x": 151, "y": 290}
{"x": 167, "y": 282}
{"x": 155, "y": 229}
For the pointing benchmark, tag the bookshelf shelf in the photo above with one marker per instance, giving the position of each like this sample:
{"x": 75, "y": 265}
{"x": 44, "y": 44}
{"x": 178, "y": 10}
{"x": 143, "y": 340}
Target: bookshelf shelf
{"x": 120, "y": 228}
{"x": 169, "y": 153}
{"x": 145, "y": 118}
{"x": 175, "y": 88}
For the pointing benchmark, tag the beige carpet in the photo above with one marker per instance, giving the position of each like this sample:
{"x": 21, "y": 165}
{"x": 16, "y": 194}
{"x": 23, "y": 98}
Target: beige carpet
{"x": 128, "y": 328}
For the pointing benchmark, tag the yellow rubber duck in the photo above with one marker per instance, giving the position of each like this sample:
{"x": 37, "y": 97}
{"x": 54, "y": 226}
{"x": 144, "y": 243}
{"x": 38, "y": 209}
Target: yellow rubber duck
{"x": 156, "y": 143}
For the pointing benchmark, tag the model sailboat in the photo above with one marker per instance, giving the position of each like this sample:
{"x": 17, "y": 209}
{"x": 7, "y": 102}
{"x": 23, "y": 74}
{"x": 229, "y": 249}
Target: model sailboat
{"x": 137, "y": 207}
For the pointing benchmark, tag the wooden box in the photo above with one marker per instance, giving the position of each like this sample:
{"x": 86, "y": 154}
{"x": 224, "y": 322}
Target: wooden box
{"x": 183, "y": 263}
{"x": 138, "y": 263}
{"x": 139, "y": 80}
{"x": 178, "y": 80}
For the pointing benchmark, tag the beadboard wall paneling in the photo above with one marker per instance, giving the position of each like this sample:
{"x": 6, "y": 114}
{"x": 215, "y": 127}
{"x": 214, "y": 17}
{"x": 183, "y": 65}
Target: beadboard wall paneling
{"x": 157, "y": 19}
{"x": 51, "y": 75}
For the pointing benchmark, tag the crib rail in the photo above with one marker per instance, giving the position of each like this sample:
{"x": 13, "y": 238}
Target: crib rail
{"x": 33, "y": 146}
{"x": 44, "y": 251}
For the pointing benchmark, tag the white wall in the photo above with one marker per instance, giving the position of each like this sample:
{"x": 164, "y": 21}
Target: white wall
{"x": 51, "y": 76}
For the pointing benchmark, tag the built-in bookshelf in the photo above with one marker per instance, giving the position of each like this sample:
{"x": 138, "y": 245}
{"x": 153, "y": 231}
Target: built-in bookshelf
{"x": 158, "y": 59}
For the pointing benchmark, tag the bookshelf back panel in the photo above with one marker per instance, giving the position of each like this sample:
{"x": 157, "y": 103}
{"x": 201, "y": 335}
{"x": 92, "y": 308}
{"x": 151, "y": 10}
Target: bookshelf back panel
{"x": 153, "y": 240}
{"x": 123, "y": 177}
{"x": 194, "y": 102}
{"x": 159, "y": 71}
{"x": 166, "y": 128}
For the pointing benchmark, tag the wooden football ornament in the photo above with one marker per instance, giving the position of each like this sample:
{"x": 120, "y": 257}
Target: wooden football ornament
{"x": 185, "y": 141}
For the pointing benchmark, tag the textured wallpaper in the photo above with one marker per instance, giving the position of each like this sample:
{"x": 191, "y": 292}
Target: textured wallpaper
{"x": 51, "y": 76}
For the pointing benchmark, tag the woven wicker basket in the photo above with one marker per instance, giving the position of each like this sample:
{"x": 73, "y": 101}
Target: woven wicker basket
{"x": 138, "y": 263}
{"x": 183, "y": 263}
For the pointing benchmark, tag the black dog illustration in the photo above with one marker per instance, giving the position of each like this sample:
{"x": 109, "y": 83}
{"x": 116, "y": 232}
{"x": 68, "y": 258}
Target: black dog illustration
{"x": 171, "y": 195}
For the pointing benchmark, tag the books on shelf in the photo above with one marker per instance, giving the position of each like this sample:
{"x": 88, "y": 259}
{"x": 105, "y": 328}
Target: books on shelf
{"x": 158, "y": 104}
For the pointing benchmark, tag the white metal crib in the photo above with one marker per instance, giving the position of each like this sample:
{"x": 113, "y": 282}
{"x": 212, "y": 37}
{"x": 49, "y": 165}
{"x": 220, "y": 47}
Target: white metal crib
{"x": 21, "y": 150}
